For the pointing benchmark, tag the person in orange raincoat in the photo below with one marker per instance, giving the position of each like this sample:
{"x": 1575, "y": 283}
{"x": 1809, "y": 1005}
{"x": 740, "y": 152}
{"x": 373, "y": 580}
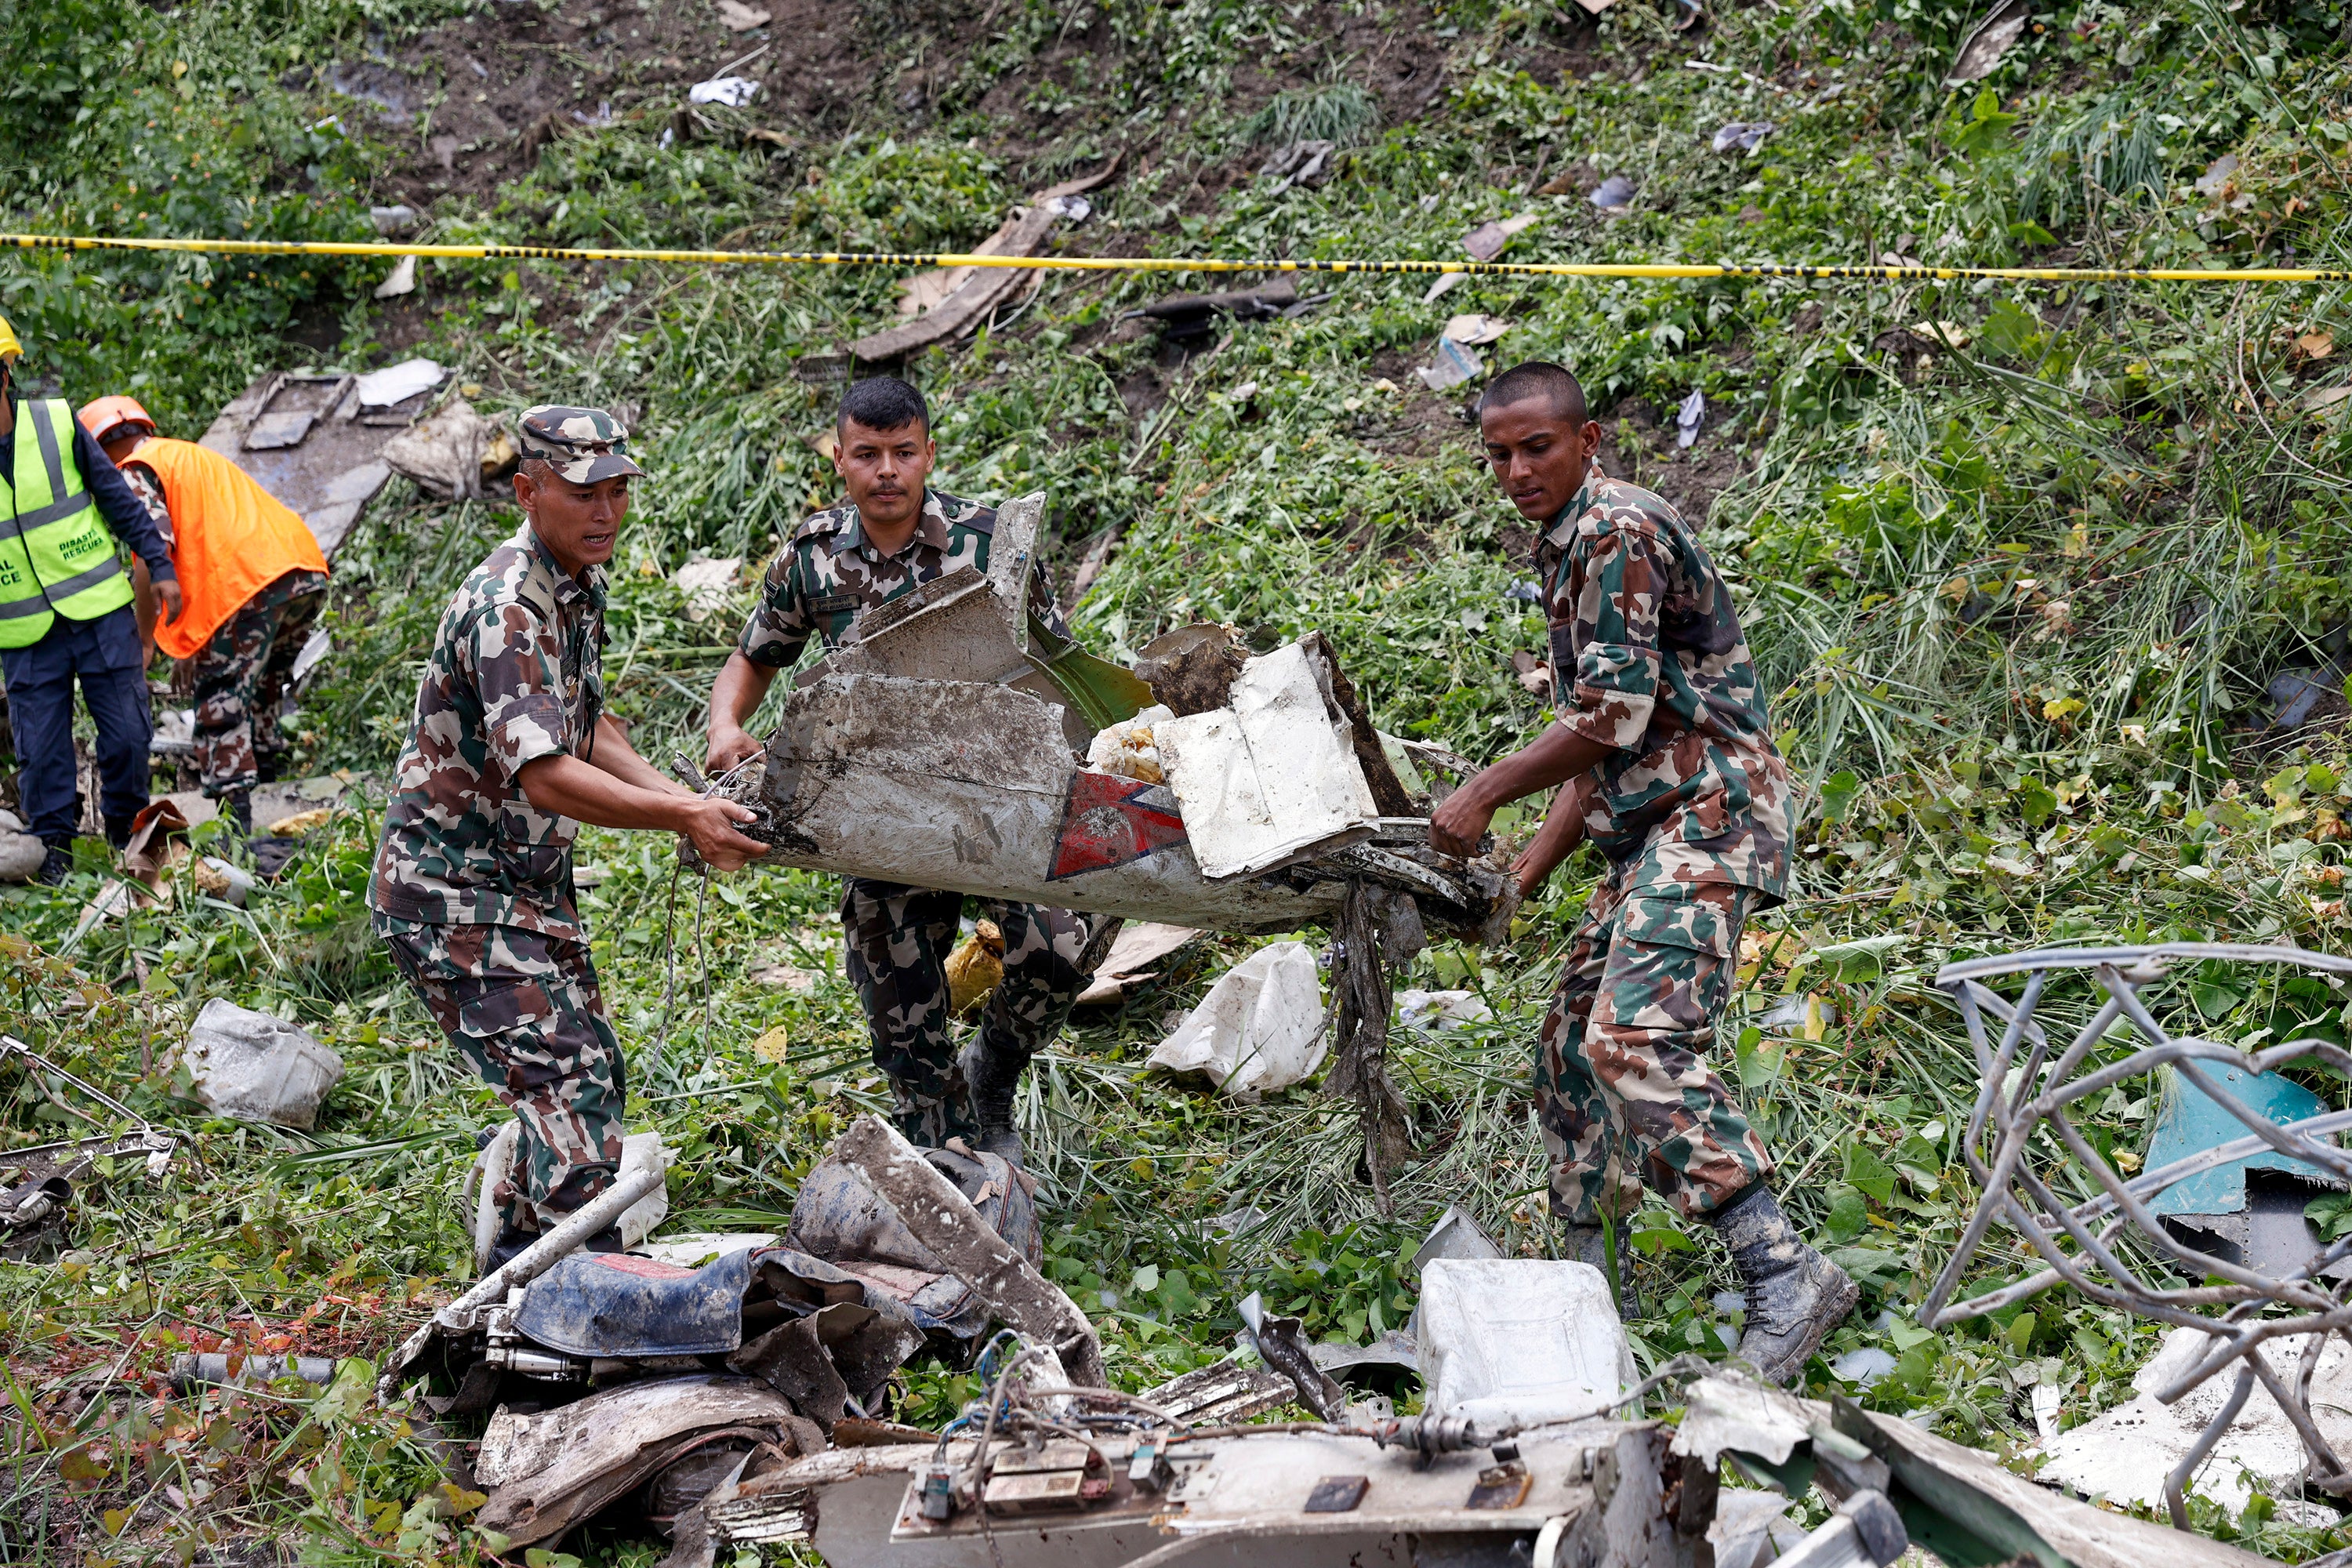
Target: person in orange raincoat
{"x": 251, "y": 580}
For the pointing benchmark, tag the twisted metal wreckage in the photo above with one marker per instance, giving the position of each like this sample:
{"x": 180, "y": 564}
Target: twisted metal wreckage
{"x": 740, "y": 1404}
{"x": 2098, "y": 1229}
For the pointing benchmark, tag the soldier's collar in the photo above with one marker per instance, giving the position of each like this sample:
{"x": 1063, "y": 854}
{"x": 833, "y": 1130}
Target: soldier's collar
{"x": 930, "y": 527}
{"x": 567, "y": 587}
{"x": 1577, "y": 503}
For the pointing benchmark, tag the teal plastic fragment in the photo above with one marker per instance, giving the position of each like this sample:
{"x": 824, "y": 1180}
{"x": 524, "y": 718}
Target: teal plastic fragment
{"x": 2190, "y": 1123}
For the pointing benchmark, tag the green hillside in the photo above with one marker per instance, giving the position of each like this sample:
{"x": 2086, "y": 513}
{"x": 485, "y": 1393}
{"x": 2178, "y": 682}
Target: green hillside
{"x": 2023, "y": 566}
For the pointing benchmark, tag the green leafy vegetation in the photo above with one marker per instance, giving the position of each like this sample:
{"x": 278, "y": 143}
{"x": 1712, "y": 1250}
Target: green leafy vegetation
{"x": 2020, "y": 562}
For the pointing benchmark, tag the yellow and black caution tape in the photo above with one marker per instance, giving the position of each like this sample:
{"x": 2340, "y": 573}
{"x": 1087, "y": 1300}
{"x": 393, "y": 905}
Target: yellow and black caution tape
{"x": 1688, "y": 270}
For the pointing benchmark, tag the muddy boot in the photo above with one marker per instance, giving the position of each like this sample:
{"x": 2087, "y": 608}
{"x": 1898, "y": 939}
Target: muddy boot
{"x": 1795, "y": 1295}
{"x": 1587, "y": 1244}
{"x": 993, "y": 1072}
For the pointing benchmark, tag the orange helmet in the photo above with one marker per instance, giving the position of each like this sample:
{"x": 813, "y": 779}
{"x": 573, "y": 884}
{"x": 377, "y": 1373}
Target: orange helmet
{"x": 101, "y": 416}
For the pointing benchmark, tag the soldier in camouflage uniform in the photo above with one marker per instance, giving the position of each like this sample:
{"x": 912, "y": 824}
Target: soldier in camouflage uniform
{"x": 1668, "y": 768}
{"x": 239, "y": 678}
{"x": 238, "y": 659}
{"x": 892, "y": 535}
{"x": 511, "y": 752}
{"x": 239, "y": 682}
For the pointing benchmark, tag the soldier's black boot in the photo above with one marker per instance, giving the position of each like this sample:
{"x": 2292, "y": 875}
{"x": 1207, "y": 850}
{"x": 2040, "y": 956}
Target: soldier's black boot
{"x": 238, "y": 806}
{"x": 57, "y": 864}
{"x": 991, "y": 1071}
{"x": 118, "y": 832}
{"x": 512, "y": 1240}
{"x": 1587, "y": 1244}
{"x": 509, "y": 1245}
{"x": 1795, "y": 1295}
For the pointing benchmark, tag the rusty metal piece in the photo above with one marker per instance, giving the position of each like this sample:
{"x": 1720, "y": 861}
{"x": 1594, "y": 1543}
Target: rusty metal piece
{"x": 2025, "y": 1153}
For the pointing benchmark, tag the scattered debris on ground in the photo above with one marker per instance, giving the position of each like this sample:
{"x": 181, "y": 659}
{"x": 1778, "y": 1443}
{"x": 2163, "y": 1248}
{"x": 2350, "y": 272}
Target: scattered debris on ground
{"x": 255, "y": 1068}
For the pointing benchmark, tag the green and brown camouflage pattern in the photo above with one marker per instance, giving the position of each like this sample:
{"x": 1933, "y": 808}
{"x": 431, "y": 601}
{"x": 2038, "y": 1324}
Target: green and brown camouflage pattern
{"x": 525, "y": 1008}
{"x": 898, "y": 940}
{"x": 827, "y": 574}
{"x": 1647, "y": 656}
{"x": 1624, "y": 1097}
{"x": 240, "y": 677}
{"x": 515, "y": 673}
{"x": 582, "y": 445}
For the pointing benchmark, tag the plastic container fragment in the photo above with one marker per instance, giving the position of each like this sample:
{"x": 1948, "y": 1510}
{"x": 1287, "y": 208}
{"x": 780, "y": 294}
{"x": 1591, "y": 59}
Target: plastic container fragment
{"x": 1514, "y": 1341}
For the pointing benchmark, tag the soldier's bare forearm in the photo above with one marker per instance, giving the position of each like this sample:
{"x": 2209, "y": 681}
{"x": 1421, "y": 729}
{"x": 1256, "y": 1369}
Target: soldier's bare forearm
{"x": 1562, "y": 831}
{"x": 735, "y": 696}
{"x": 615, "y": 755}
{"x": 567, "y": 787}
{"x": 1556, "y": 756}
{"x": 738, "y": 691}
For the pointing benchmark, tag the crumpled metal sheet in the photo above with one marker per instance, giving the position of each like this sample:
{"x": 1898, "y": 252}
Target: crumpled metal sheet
{"x": 844, "y": 1213}
{"x": 1742, "y": 1416}
{"x": 896, "y": 1209}
{"x": 555, "y": 1469}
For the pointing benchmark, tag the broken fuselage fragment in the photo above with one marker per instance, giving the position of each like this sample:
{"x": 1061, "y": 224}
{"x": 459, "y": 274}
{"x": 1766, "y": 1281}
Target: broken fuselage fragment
{"x": 940, "y": 747}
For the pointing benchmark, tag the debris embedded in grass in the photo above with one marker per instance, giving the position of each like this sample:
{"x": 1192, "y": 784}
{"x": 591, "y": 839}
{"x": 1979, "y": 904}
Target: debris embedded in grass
{"x": 2143, "y": 811}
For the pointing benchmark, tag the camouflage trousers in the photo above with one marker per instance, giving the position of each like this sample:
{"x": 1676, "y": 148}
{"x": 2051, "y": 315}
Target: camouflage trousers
{"x": 240, "y": 678}
{"x": 1623, "y": 1094}
{"x": 526, "y": 1010}
{"x": 898, "y": 940}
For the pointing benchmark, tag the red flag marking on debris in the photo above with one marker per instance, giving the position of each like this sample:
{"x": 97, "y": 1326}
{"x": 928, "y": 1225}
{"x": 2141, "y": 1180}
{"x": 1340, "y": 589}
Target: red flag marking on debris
{"x": 1110, "y": 820}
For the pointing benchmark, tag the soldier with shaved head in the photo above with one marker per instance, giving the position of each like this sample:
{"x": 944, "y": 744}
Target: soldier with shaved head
{"x": 510, "y": 753}
{"x": 1667, "y": 767}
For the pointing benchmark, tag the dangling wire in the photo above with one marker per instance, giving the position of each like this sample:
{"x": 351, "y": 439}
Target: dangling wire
{"x": 669, "y": 964}
{"x": 702, "y": 955}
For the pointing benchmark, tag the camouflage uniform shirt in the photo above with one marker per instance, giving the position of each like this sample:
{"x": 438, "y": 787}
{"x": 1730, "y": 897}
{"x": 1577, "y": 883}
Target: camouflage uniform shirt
{"x": 515, "y": 674}
{"x": 827, "y": 573}
{"x": 1648, "y": 658}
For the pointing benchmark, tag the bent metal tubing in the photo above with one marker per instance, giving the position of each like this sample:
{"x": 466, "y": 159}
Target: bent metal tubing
{"x": 1696, "y": 270}
{"x": 2022, "y": 1151}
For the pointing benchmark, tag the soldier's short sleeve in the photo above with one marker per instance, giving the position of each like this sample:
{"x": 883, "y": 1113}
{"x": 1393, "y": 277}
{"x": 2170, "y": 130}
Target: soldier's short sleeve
{"x": 518, "y": 671}
{"x": 1604, "y": 621}
{"x": 780, "y": 629}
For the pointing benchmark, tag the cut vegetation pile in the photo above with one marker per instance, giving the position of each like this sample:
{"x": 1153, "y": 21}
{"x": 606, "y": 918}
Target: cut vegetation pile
{"x": 2025, "y": 567}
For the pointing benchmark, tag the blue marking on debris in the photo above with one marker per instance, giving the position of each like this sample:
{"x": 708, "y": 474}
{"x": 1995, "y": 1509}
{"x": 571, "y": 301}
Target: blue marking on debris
{"x": 2191, "y": 1122}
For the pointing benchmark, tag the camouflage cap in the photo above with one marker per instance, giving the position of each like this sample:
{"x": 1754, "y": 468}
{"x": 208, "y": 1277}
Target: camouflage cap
{"x": 583, "y": 444}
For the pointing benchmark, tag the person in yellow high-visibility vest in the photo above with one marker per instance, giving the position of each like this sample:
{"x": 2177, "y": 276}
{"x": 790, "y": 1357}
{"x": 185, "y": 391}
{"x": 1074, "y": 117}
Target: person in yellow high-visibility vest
{"x": 66, "y": 616}
{"x": 253, "y": 578}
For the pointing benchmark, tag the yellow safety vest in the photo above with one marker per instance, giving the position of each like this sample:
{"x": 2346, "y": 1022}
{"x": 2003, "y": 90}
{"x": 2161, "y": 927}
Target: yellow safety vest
{"x": 57, "y": 557}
